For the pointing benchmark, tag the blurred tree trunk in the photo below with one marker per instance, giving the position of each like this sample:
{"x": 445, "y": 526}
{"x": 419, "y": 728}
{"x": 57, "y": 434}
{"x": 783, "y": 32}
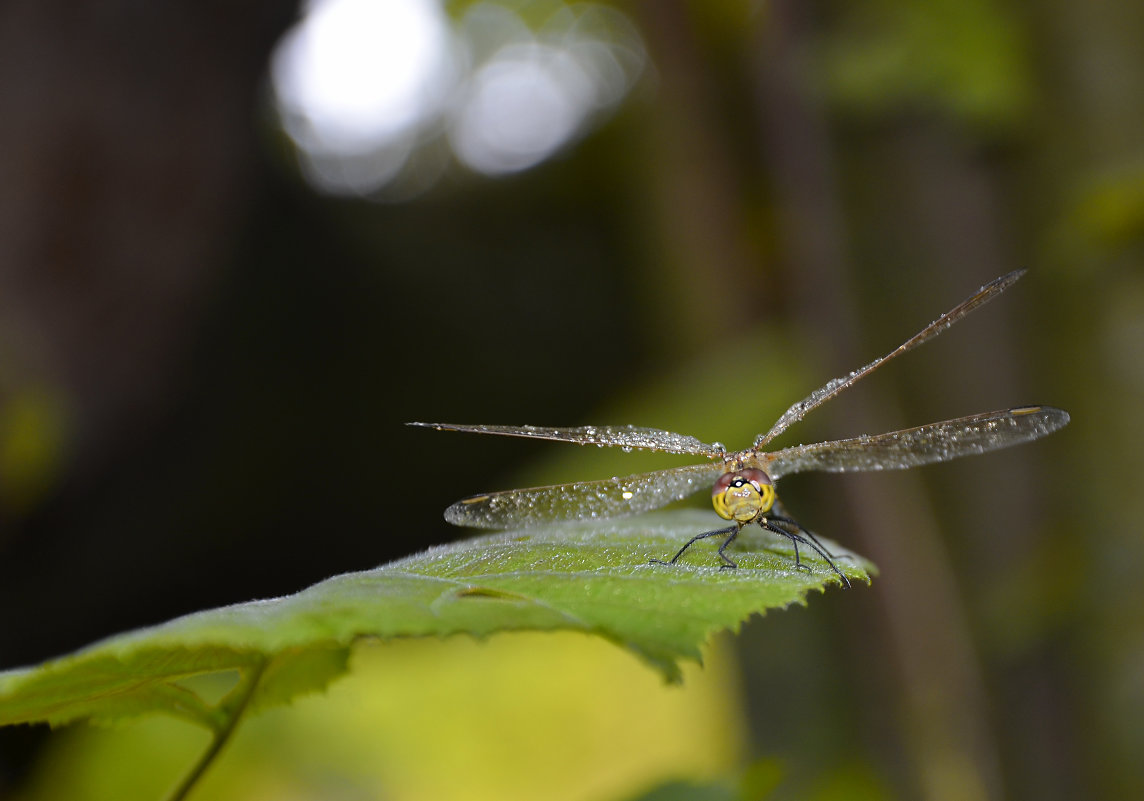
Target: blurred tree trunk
{"x": 125, "y": 149}
{"x": 944, "y": 725}
{"x": 705, "y": 277}
{"x": 124, "y": 156}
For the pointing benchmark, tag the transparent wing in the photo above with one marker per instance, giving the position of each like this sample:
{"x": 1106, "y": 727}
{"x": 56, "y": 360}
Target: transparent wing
{"x": 650, "y": 439}
{"x": 936, "y": 442}
{"x": 836, "y": 385}
{"x": 610, "y": 497}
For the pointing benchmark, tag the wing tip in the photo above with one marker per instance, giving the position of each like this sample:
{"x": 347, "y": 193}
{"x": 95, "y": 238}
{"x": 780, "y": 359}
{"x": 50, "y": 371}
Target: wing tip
{"x": 465, "y": 513}
{"x": 1059, "y": 417}
{"x": 1008, "y": 279}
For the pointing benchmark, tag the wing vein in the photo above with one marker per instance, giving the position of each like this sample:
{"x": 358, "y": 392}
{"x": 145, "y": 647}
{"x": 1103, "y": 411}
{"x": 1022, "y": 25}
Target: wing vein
{"x": 936, "y": 442}
{"x": 836, "y": 385}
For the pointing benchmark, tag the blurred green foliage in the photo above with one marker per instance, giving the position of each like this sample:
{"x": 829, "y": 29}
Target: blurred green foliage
{"x": 968, "y": 62}
{"x": 432, "y": 719}
{"x": 33, "y": 435}
{"x": 793, "y": 188}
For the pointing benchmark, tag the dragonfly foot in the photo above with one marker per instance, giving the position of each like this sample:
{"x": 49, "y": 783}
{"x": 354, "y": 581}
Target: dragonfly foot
{"x": 796, "y": 537}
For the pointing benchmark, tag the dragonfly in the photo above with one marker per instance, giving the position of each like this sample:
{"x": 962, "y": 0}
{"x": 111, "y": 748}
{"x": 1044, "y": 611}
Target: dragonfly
{"x": 743, "y": 482}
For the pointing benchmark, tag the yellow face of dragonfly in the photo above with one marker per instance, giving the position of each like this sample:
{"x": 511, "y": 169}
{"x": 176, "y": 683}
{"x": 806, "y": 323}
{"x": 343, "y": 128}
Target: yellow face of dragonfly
{"x": 743, "y": 495}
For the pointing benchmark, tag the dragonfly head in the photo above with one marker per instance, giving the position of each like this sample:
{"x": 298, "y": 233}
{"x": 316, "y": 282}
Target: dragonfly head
{"x": 743, "y": 495}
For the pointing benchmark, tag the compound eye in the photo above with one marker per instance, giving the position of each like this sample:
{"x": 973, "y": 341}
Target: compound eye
{"x": 756, "y": 477}
{"x": 742, "y": 495}
{"x": 723, "y": 483}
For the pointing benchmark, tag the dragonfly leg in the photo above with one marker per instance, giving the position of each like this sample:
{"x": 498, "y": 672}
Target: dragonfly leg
{"x": 726, "y": 559}
{"x": 732, "y": 531}
{"x": 795, "y": 537}
{"x": 798, "y": 527}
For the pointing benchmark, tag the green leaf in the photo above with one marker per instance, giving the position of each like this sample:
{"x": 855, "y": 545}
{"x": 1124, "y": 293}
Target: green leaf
{"x": 589, "y": 576}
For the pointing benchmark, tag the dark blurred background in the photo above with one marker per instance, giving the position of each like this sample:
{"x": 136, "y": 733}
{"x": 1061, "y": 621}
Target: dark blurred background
{"x": 232, "y": 264}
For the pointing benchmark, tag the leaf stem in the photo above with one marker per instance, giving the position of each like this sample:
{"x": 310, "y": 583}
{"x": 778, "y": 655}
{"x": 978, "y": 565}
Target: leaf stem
{"x": 231, "y": 708}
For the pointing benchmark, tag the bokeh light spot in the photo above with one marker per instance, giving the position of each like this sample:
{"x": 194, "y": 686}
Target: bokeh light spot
{"x": 364, "y": 87}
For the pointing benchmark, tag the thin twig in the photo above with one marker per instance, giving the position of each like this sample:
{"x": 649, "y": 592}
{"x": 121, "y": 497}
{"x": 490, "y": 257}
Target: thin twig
{"x": 232, "y": 707}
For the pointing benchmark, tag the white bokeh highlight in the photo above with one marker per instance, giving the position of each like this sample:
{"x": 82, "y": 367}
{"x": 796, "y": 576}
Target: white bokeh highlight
{"x": 368, "y": 90}
{"x": 359, "y": 72}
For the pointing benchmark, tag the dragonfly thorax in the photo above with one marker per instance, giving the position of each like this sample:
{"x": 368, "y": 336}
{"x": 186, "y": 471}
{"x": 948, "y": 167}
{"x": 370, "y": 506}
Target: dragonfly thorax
{"x": 743, "y": 495}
